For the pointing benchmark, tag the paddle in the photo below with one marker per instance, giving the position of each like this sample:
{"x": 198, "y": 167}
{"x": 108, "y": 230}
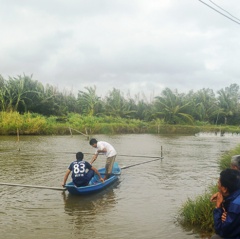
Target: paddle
{"x": 33, "y": 186}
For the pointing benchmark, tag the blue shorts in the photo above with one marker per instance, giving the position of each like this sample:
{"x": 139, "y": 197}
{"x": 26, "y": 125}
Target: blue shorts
{"x": 88, "y": 176}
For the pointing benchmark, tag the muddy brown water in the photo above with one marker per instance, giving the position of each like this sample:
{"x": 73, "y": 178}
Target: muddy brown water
{"x": 143, "y": 204}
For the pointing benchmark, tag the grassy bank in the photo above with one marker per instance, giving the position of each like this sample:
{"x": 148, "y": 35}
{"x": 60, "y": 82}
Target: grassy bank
{"x": 197, "y": 213}
{"x": 35, "y": 124}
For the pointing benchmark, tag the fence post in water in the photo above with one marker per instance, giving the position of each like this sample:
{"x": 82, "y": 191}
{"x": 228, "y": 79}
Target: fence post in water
{"x": 70, "y": 131}
{"x": 18, "y": 139}
{"x": 78, "y": 132}
{"x": 161, "y": 153}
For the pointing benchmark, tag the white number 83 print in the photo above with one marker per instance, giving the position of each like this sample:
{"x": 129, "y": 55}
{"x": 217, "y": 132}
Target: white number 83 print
{"x": 79, "y": 168}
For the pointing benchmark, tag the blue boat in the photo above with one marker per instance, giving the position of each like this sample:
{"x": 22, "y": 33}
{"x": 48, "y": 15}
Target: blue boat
{"x": 95, "y": 185}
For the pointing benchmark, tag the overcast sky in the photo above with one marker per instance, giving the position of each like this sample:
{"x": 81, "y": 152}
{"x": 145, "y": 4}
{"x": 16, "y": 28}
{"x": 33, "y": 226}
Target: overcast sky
{"x": 136, "y": 46}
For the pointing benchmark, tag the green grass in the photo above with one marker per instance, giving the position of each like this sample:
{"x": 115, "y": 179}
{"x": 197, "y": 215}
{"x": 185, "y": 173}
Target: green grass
{"x": 197, "y": 213}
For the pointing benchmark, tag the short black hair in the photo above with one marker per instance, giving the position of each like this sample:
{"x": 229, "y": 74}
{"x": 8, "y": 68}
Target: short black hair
{"x": 79, "y": 156}
{"x": 93, "y": 141}
{"x": 230, "y": 178}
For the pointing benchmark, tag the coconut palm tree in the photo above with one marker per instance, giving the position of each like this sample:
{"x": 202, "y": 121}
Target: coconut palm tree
{"x": 205, "y": 106}
{"x": 228, "y": 101}
{"x": 116, "y": 105}
{"x": 90, "y": 104}
{"x": 171, "y": 107}
{"x": 15, "y": 93}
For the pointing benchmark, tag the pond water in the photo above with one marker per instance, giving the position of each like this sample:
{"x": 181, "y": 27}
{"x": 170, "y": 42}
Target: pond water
{"x": 143, "y": 204}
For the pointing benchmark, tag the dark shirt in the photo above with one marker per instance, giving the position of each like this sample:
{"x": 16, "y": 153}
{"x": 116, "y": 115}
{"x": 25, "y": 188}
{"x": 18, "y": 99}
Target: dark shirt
{"x": 230, "y": 228}
{"x": 79, "y": 171}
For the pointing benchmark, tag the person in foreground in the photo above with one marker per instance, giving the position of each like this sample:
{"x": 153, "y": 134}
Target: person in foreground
{"x": 107, "y": 149}
{"x": 235, "y": 164}
{"x": 82, "y": 172}
{"x": 226, "y": 215}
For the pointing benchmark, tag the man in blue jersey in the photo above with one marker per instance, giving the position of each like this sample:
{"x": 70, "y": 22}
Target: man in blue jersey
{"x": 82, "y": 172}
{"x": 108, "y": 150}
{"x": 226, "y": 214}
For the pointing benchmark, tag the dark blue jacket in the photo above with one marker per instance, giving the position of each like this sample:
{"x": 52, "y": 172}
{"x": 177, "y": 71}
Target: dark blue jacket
{"x": 231, "y": 227}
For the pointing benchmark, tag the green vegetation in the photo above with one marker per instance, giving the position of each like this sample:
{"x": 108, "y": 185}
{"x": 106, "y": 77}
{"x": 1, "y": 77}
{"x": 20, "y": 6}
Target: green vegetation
{"x": 36, "y": 124}
{"x": 197, "y": 213}
{"x": 22, "y": 94}
{"x": 28, "y": 106}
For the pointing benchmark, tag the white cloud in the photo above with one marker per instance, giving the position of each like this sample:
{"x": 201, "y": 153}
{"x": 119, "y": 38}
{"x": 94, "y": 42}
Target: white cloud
{"x": 137, "y": 46}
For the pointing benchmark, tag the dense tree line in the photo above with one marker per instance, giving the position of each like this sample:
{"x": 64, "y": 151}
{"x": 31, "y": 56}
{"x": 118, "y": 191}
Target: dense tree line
{"x": 23, "y": 94}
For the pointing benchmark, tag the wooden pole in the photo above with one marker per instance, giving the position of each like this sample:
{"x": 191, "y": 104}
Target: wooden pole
{"x": 33, "y": 186}
{"x": 79, "y": 132}
{"x": 161, "y": 152}
{"x": 133, "y": 165}
{"x": 121, "y": 155}
{"x": 70, "y": 131}
{"x": 18, "y": 139}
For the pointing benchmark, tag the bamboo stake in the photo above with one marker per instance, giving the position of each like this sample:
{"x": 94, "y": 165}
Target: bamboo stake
{"x": 122, "y": 155}
{"x": 70, "y": 131}
{"x": 18, "y": 139}
{"x": 133, "y": 165}
{"x": 79, "y": 132}
{"x": 127, "y": 155}
{"x": 33, "y": 186}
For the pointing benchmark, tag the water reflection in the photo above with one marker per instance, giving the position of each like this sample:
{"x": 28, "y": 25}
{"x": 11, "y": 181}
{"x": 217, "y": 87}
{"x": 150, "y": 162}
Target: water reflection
{"x": 83, "y": 210}
{"x": 89, "y": 204}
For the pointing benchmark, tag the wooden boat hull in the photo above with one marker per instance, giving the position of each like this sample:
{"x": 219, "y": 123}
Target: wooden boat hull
{"x": 95, "y": 185}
